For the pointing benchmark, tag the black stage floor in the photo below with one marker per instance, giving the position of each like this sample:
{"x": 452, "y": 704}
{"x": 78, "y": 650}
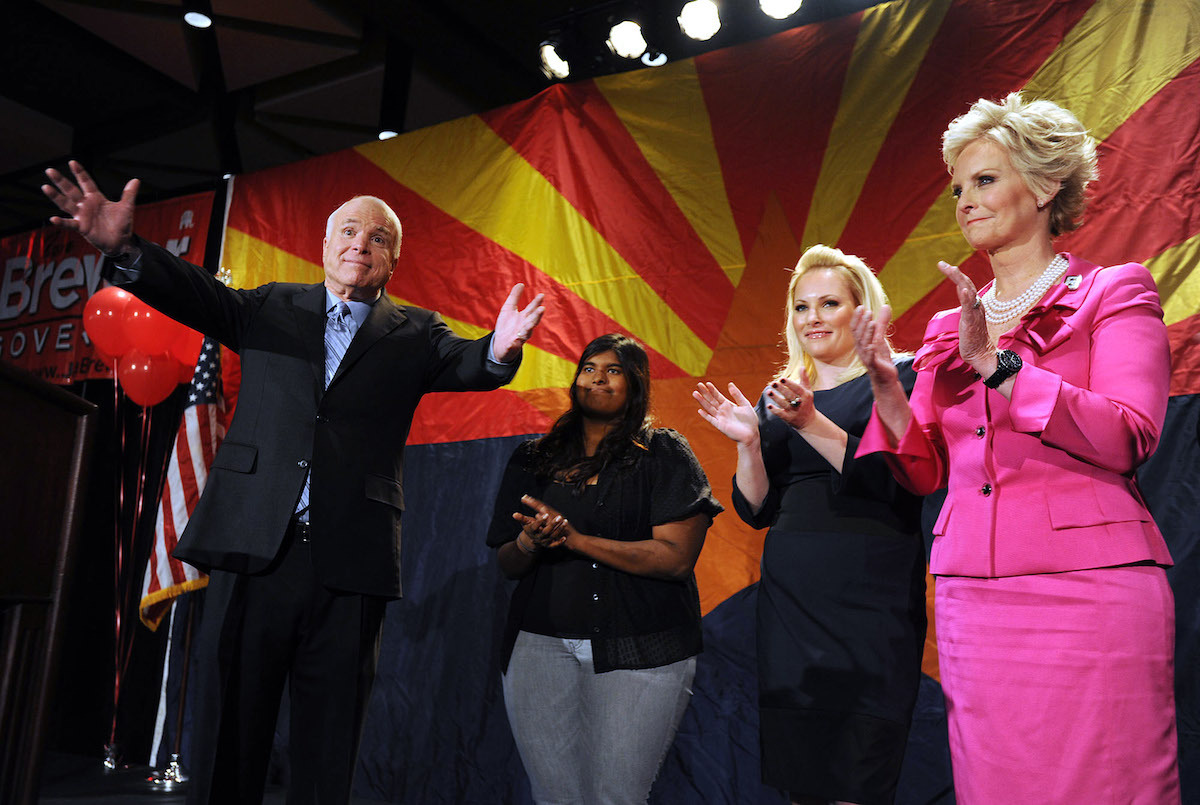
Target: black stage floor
{"x": 77, "y": 780}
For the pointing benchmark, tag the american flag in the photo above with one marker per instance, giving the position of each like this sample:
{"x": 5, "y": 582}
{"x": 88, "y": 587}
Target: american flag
{"x": 200, "y": 433}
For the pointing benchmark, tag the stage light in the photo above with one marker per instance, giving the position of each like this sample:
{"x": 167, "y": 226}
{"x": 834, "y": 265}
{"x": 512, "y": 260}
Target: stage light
{"x": 700, "y": 19}
{"x": 553, "y": 64}
{"x": 654, "y": 58}
{"x": 197, "y": 19}
{"x": 779, "y": 9}
{"x": 197, "y": 13}
{"x": 393, "y": 94}
{"x": 625, "y": 39}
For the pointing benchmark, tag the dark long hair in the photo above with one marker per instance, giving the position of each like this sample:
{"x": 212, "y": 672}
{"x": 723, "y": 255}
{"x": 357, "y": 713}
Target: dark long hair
{"x": 559, "y": 454}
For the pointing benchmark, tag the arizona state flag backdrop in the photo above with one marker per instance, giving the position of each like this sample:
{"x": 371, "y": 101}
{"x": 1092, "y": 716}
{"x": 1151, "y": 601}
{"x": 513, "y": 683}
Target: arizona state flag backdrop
{"x": 669, "y": 204}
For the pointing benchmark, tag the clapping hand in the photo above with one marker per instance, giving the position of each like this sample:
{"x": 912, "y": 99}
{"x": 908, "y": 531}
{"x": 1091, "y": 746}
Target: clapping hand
{"x": 546, "y": 528}
{"x": 870, "y": 341}
{"x": 733, "y": 417}
{"x": 792, "y": 401}
{"x": 975, "y": 346}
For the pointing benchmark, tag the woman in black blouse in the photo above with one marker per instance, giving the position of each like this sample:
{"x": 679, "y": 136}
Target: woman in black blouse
{"x": 602, "y": 520}
{"x": 841, "y": 602}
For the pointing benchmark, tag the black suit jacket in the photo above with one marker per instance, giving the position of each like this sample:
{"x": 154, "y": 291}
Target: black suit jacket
{"x": 351, "y": 436}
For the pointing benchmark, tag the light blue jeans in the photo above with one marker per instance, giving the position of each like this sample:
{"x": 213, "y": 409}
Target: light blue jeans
{"x": 588, "y": 738}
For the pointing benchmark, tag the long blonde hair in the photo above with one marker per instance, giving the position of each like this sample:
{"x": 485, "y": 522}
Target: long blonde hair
{"x": 864, "y": 286}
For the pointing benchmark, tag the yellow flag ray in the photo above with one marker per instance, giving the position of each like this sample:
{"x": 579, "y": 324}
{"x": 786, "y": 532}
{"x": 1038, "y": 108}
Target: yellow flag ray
{"x": 912, "y": 272}
{"x": 664, "y": 111}
{"x": 539, "y": 368}
{"x": 1178, "y": 280}
{"x": 465, "y": 169}
{"x": 1117, "y": 57}
{"x": 254, "y": 262}
{"x": 891, "y": 45}
{"x": 1103, "y": 71}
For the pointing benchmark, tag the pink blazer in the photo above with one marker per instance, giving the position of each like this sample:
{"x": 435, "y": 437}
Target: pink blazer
{"x": 1043, "y": 482}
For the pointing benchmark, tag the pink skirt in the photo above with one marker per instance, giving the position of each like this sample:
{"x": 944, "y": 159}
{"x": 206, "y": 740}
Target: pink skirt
{"x": 1060, "y": 687}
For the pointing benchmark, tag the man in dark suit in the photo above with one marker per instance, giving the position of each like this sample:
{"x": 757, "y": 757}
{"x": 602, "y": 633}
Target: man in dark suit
{"x": 299, "y": 523}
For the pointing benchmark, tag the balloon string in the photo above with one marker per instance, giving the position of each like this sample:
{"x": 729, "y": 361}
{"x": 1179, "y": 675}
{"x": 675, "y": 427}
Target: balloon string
{"x": 120, "y": 508}
{"x": 125, "y": 572}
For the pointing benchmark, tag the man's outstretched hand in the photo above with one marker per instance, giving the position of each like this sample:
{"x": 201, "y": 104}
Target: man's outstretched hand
{"x": 514, "y": 326}
{"x": 107, "y": 225}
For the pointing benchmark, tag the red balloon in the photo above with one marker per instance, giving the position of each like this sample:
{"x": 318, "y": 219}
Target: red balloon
{"x": 186, "y": 373}
{"x": 147, "y": 379}
{"x": 149, "y": 331}
{"x": 104, "y": 320}
{"x": 186, "y": 347}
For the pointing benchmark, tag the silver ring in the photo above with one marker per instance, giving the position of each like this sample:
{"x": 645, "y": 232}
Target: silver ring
{"x": 794, "y": 402}
{"x": 975, "y": 305}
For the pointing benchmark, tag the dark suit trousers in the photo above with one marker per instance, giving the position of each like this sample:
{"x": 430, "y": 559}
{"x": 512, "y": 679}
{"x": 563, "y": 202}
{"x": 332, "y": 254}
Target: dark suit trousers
{"x": 259, "y": 633}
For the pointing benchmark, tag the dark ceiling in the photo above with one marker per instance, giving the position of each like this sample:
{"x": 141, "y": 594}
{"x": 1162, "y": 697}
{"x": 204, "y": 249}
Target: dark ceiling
{"x": 129, "y": 89}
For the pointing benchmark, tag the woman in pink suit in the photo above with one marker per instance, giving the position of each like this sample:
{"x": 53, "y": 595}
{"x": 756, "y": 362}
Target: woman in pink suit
{"x": 1035, "y": 402}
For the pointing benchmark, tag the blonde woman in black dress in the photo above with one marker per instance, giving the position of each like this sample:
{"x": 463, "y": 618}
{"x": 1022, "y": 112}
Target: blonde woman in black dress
{"x": 841, "y": 603}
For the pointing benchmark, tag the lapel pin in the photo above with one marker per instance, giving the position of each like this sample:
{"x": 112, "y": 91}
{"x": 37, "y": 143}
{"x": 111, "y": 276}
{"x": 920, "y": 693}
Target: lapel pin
{"x": 1073, "y": 281}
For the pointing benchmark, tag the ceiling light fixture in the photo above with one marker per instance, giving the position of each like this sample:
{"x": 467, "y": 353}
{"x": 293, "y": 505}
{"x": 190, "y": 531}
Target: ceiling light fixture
{"x": 779, "y": 9}
{"x": 197, "y": 19}
{"x": 654, "y": 58}
{"x": 393, "y": 94}
{"x": 625, "y": 39}
{"x": 700, "y": 20}
{"x": 553, "y": 64}
{"x": 197, "y": 13}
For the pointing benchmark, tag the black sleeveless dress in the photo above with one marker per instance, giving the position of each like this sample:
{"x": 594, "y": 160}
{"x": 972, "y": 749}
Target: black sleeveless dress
{"x": 841, "y": 609}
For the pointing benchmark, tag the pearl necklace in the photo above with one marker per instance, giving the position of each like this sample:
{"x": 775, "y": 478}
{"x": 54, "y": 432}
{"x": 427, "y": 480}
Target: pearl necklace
{"x": 998, "y": 312}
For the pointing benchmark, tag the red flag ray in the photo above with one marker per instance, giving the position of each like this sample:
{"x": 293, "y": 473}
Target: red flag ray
{"x": 575, "y": 139}
{"x": 797, "y": 75}
{"x": 1010, "y": 41}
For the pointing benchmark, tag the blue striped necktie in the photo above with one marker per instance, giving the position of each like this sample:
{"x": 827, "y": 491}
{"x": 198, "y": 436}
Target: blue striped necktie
{"x": 339, "y": 331}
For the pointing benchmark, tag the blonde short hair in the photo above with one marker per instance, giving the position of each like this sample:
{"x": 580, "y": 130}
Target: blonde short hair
{"x": 865, "y": 288}
{"x": 1046, "y": 144}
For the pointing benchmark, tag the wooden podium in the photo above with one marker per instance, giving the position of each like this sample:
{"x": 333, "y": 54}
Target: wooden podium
{"x": 45, "y": 442}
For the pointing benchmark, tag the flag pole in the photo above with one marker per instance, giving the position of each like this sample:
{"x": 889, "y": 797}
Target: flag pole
{"x": 173, "y": 776}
